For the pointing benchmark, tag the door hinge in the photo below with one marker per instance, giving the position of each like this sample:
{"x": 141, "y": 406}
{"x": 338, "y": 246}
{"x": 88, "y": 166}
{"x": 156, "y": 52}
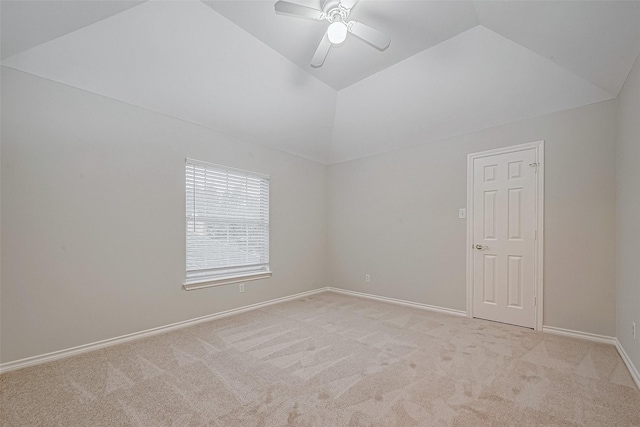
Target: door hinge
{"x": 535, "y": 301}
{"x": 535, "y": 234}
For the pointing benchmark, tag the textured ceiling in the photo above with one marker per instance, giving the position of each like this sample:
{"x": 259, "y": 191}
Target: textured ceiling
{"x": 412, "y": 25}
{"x": 26, "y": 24}
{"x": 237, "y": 67}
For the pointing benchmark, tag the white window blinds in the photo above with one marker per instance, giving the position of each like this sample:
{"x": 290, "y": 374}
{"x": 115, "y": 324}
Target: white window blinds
{"x": 227, "y": 223}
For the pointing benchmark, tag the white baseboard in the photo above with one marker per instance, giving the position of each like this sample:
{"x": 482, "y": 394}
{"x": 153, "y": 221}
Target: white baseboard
{"x": 627, "y": 361}
{"x": 61, "y": 354}
{"x": 579, "y": 334}
{"x": 601, "y": 339}
{"x": 399, "y": 301}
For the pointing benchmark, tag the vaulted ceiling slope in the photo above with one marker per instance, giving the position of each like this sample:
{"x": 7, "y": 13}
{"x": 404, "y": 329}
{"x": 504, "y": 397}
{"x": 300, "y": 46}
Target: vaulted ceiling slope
{"x": 237, "y": 67}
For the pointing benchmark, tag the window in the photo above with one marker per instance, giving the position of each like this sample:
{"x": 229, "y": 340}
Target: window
{"x": 227, "y": 223}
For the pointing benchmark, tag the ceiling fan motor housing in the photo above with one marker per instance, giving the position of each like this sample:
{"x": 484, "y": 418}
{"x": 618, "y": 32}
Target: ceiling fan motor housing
{"x": 334, "y": 11}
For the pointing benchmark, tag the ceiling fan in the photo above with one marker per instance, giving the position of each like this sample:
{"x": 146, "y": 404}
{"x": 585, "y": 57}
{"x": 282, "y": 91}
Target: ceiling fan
{"x": 336, "y": 13}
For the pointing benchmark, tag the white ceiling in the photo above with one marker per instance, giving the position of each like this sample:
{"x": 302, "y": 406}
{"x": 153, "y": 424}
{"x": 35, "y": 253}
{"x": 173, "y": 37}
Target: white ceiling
{"x": 26, "y": 24}
{"x": 412, "y": 25}
{"x": 237, "y": 67}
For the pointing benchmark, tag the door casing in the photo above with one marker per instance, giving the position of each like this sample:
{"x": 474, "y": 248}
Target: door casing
{"x": 539, "y": 242}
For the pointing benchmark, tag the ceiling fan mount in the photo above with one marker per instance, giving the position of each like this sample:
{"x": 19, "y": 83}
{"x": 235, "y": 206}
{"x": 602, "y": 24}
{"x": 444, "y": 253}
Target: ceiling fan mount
{"x": 333, "y": 11}
{"x": 336, "y": 12}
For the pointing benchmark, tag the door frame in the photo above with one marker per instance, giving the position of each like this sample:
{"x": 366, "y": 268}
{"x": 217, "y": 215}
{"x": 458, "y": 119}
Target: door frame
{"x": 539, "y": 242}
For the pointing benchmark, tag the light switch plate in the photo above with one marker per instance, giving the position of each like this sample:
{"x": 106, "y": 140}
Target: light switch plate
{"x": 462, "y": 213}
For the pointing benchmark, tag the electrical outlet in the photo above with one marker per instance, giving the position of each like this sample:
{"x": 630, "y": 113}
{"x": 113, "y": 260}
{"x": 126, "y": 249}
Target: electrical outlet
{"x": 241, "y": 287}
{"x": 633, "y": 329}
{"x": 367, "y": 278}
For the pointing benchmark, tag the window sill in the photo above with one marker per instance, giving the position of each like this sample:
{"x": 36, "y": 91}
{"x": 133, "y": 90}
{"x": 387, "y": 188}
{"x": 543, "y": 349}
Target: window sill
{"x": 200, "y": 283}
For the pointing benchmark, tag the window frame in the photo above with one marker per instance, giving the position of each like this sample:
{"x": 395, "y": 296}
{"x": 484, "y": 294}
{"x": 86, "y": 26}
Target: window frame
{"x": 204, "y": 278}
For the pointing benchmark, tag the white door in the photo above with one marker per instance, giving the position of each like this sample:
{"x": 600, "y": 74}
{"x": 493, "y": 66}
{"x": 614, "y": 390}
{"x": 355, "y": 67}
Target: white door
{"x": 504, "y": 237}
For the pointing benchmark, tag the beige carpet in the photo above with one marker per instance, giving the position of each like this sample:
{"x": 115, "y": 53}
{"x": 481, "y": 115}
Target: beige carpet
{"x": 331, "y": 360}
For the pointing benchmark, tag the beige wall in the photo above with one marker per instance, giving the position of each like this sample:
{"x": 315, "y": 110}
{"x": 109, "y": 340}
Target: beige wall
{"x": 93, "y": 204}
{"x": 93, "y": 218}
{"x": 628, "y": 204}
{"x": 395, "y": 216}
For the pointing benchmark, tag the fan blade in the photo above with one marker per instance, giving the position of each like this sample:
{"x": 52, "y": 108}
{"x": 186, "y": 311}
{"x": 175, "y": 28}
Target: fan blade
{"x": 321, "y": 52}
{"x": 293, "y": 9}
{"x": 370, "y": 35}
{"x": 348, "y": 4}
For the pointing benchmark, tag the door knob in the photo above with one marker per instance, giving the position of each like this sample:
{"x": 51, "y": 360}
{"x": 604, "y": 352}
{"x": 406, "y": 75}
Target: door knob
{"x": 480, "y": 247}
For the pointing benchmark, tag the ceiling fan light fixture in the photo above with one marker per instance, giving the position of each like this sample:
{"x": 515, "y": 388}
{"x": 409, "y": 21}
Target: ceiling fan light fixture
{"x": 337, "y": 32}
